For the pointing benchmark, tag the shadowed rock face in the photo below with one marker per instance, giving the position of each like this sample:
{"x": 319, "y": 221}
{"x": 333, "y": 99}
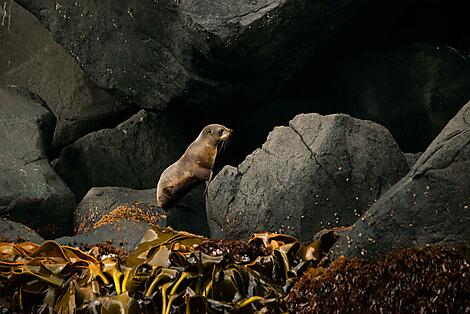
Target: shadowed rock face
{"x": 157, "y": 52}
{"x": 430, "y": 205}
{"x": 32, "y": 59}
{"x": 131, "y": 155}
{"x": 413, "y": 90}
{"x": 30, "y": 191}
{"x": 321, "y": 171}
{"x": 11, "y": 231}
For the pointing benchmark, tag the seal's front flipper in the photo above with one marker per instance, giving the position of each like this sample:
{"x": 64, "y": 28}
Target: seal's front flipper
{"x": 202, "y": 174}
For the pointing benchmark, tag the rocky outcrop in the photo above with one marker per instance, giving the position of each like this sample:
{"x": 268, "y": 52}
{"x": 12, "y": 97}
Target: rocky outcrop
{"x": 131, "y": 155}
{"x": 30, "y": 191}
{"x": 103, "y": 201}
{"x": 157, "y": 52}
{"x": 430, "y": 205}
{"x": 31, "y": 58}
{"x": 11, "y": 231}
{"x": 107, "y": 204}
{"x": 320, "y": 171}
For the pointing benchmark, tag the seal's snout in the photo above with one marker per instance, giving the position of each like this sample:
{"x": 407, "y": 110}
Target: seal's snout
{"x": 226, "y": 134}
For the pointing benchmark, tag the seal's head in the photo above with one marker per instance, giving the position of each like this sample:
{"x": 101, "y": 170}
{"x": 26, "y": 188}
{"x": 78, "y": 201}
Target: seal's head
{"x": 215, "y": 133}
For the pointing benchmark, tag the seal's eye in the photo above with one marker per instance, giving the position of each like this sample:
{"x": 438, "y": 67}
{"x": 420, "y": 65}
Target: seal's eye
{"x": 221, "y": 131}
{"x": 209, "y": 131}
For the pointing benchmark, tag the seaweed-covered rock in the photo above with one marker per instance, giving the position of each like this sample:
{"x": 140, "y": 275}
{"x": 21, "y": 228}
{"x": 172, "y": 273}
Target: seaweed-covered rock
{"x": 429, "y": 205}
{"x": 102, "y": 201}
{"x": 102, "y": 205}
{"x": 11, "y": 231}
{"x": 320, "y": 171}
{"x": 125, "y": 234}
{"x": 30, "y": 191}
{"x": 31, "y": 58}
{"x": 131, "y": 155}
{"x": 420, "y": 280}
{"x": 155, "y": 52}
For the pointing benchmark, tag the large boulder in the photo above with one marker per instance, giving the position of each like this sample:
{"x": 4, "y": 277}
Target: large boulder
{"x": 413, "y": 90}
{"x": 133, "y": 154}
{"x": 11, "y": 231}
{"x": 430, "y": 205}
{"x": 100, "y": 202}
{"x": 157, "y": 52}
{"x": 30, "y": 191}
{"x": 106, "y": 204}
{"x": 31, "y": 58}
{"x": 320, "y": 171}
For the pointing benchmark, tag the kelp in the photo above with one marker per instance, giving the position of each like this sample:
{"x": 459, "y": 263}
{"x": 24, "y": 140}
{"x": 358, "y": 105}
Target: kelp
{"x": 168, "y": 272}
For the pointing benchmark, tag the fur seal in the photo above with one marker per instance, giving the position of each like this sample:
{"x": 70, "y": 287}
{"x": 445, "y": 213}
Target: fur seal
{"x": 193, "y": 167}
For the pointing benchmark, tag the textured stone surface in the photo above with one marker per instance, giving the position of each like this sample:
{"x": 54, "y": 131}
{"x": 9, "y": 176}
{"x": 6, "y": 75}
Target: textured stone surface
{"x": 412, "y": 158}
{"x": 124, "y": 234}
{"x": 189, "y": 216}
{"x": 156, "y": 52}
{"x": 11, "y": 231}
{"x": 320, "y": 171}
{"x": 31, "y": 58}
{"x": 430, "y": 205}
{"x": 30, "y": 191}
{"x": 131, "y": 155}
{"x": 103, "y": 200}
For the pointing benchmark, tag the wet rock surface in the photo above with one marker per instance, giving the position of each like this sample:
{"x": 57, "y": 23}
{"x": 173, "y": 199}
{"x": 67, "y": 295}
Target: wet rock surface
{"x": 319, "y": 172}
{"x": 30, "y": 191}
{"x": 46, "y": 69}
{"x": 133, "y": 154}
{"x": 430, "y": 205}
{"x": 11, "y": 231}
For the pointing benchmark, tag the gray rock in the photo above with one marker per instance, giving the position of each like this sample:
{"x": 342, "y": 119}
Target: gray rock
{"x": 124, "y": 234}
{"x": 30, "y": 191}
{"x": 189, "y": 216}
{"x": 31, "y": 58}
{"x": 131, "y": 155}
{"x": 430, "y": 205}
{"x": 103, "y": 200}
{"x": 11, "y": 231}
{"x": 412, "y": 158}
{"x": 156, "y": 52}
{"x": 320, "y": 171}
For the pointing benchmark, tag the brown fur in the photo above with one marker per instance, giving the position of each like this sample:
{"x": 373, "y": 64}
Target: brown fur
{"x": 193, "y": 167}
